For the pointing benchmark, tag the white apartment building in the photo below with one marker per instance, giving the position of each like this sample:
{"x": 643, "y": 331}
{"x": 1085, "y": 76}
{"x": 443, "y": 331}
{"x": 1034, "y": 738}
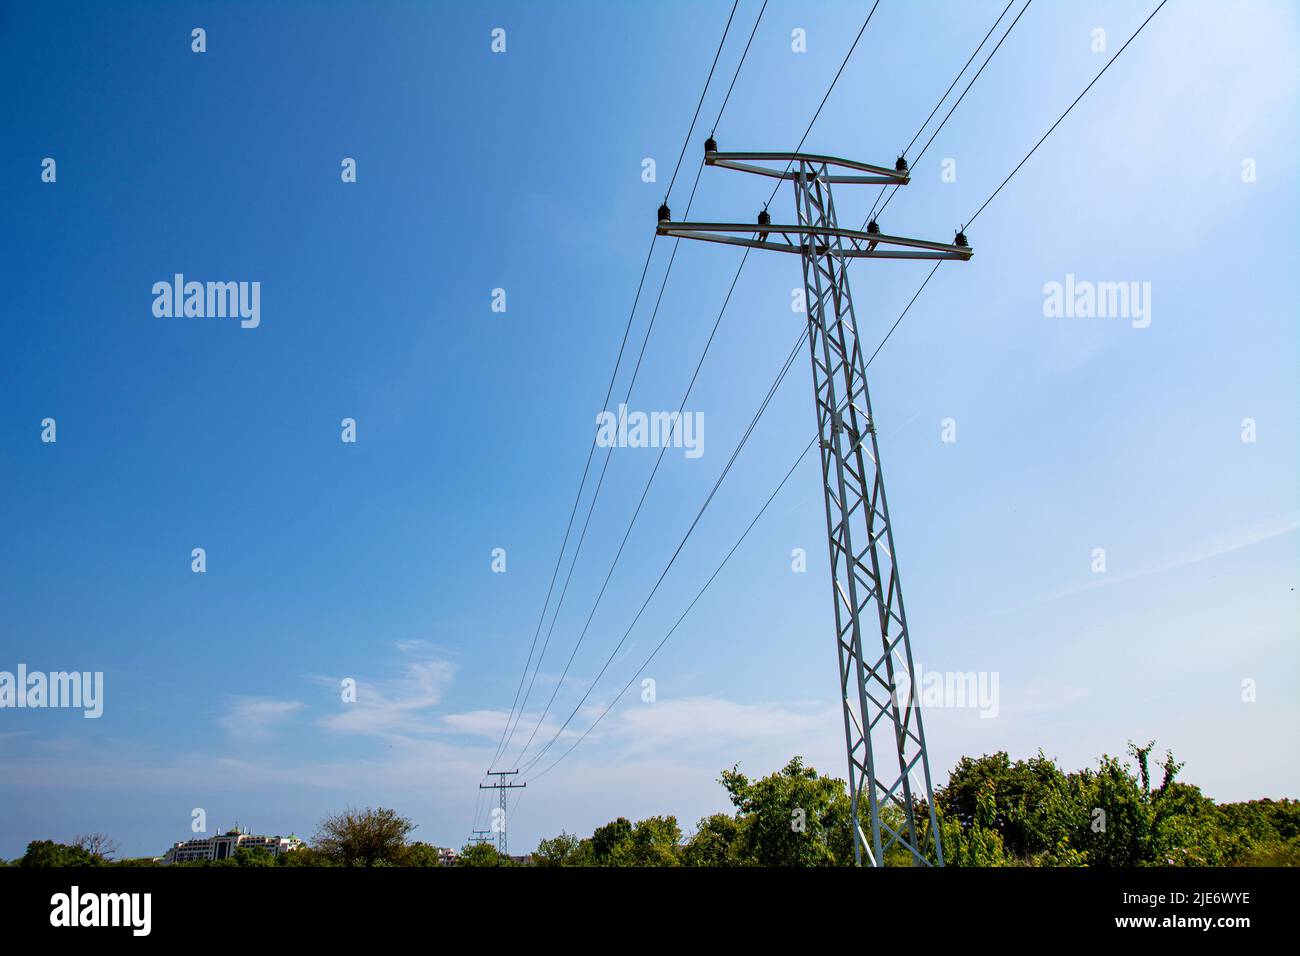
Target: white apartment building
{"x": 224, "y": 845}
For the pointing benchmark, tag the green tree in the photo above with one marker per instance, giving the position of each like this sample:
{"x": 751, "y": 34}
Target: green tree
{"x": 610, "y": 844}
{"x": 305, "y": 856}
{"x": 482, "y": 854}
{"x": 252, "y": 856}
{"x": 421, "y": 854}
{"x": 47, "y": 853}
{"x": 716, "y": 842}
{"x": 794, "y": 817}
{"x": 563, "y": 850}
{"x": 364, "y": 837}
{"x": 654, "y": 841}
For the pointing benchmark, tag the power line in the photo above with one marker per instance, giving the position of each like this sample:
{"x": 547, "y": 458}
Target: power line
{"x": 740, "y": 540}
{"x": 808, "y": 129}
{"x": 786, "y": 477}
{"x": 944, "y": 122}
{"x": 600, "y": 483}
{"x": 689, "y": 607}
{"x": 644, "y": 492}
{"x": 573, "y": 512}
{"x": 836, "y": 79}
{"x": 942, "y": 99}
{"x": 707, "y": 81}
{"x": 1067, "y": 110}
{"x": 744, "y": 54}
{"x": 682, "y": 544}
{"x": 1021, "y": 163}
{"x": 509, "y": 731}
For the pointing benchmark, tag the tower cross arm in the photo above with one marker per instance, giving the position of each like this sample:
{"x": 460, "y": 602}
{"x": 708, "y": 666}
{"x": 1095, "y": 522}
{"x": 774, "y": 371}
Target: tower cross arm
{"x": 744, "y": 162}
{"x": 854, "y": 244}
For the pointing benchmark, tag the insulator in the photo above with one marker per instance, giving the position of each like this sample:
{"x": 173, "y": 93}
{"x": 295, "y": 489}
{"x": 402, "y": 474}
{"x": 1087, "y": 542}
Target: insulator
{"x": 665, "y": 214}
{"x": 764, "y": 217}
{"x": 710, "y": 145}
{"x": 872, "y": 228}
{"x": 900, "y": 164}
{"x": 960, "y": 240}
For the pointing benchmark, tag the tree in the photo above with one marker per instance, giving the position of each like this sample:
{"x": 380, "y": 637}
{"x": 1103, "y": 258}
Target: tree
{"x": 47, "y": 853}
{"x": 794, "y": 817}
{"x": 100, "y": 844}
{"x": 716, "y": 842}
{"x": 421, "y": 854}
{"x": 252, "y": 856}
{"x": 656, "y": 841}
{"x": 609, "y": 844}
{"x": 1028, "y": 803}
{"x": 562, "y": 850}
{"x": 482, "y": 854}
{"x": 364, "y": 837}
{"x": 304, "y": 856}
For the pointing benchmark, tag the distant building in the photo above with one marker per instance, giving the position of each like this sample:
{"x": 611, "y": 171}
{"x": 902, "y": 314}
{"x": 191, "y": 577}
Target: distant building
{"x": 448, "y": 856}
{"x": 223, "y": 846}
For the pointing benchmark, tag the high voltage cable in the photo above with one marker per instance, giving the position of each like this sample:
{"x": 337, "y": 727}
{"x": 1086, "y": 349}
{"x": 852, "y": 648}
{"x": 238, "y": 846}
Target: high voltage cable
{"x": 600, "y": 483}
{"x": 1023, "y": 161}
{"x": 509, "y": 730}
{"x": 955, "y": 79}
{"x": 707, "y": 81}
{"x": 745, "y": 53}
{"x": 644, "y": 492}
{"x": 753, "y": 422}
{"x": 835, "y": 80}
{"x": 1067, "y": 110}
{"x": 559, "y": 559}
{"x": 811, "y": 122}
{"x": 905, "y": 311}
{"x": 954, "y": 106}
{"x": 700, "y": 594}
{"x": 506, "y": 731}
{"x": 744, "y": 439}
{"x": 600, "y": 480}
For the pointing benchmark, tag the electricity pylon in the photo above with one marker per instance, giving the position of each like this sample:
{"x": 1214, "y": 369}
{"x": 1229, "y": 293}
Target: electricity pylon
{"x": 501, "y": 786}
{"x": 866, "y": 593}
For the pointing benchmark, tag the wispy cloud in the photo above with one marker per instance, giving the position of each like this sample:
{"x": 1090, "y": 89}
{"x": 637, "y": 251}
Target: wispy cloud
{"x": 254, "y": 718}
{"x": 1204, "y": 550}
{"x": 398, "y": 706}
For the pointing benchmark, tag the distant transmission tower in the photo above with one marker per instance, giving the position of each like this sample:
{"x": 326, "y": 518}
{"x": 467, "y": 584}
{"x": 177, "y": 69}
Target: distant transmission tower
{"x": 501, "y": 786}
{"x": 864, "y": 575}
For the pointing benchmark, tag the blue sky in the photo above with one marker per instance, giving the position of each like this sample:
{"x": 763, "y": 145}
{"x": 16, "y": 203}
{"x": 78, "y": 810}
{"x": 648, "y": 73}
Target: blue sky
{"x": 522, "y": 171}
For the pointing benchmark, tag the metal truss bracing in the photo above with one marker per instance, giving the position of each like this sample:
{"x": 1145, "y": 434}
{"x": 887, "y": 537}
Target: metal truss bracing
{"x": 871, "y": 626}
{"x": 889, "y": 772}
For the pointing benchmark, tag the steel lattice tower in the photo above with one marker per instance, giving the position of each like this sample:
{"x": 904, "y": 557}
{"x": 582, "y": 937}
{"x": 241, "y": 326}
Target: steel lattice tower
{"x": 501, "y": 786}
{"x": 875, "y": 676}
